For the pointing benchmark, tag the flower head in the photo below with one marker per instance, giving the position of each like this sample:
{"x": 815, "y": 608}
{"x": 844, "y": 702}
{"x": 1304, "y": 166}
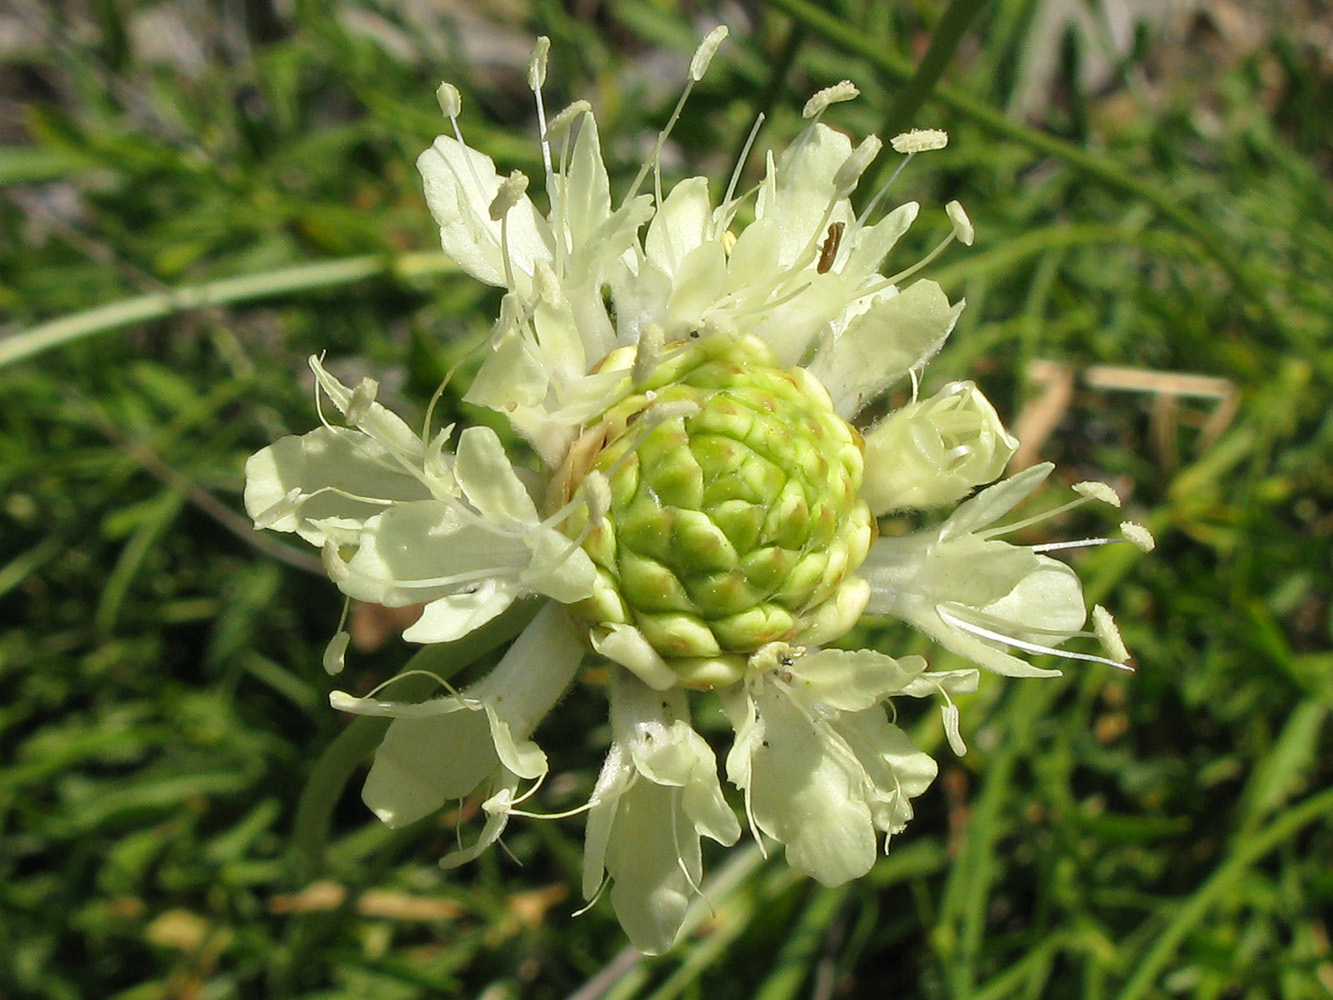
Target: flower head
{"x": 705, "y": 512}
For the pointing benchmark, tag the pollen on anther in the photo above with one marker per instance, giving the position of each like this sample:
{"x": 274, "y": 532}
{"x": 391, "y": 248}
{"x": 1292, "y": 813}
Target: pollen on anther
{"x": 1139, "y": 535}
{"x": 1097, "y": 491}
{"x": 842, "y": 91}
{"x": 1108, "y": 635}
{"x": 919, "y": 140}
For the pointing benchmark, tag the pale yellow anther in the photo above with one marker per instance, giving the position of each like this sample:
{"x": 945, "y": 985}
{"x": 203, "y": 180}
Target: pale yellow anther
{"x": 512, "y": 190}
{"x": 962, "y": 225}
{"x": 1097, "y": 491}
{"x": 537, "y": 64}
{"x": 363, "y": 396}
{"x": 549, "y": 288}
{"x": 919, "y": 140}
{"x": 703, "y": 55}
{"x": 818, "y": 104}
{"x": 451, "y": 102}
{"x": 1140, "y": 536}
{"x": 561, "y": 123}
{"x": 1108, "y": 635}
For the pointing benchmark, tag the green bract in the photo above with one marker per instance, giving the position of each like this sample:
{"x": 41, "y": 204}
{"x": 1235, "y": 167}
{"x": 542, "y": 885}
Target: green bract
{"x": 734, "y": 525}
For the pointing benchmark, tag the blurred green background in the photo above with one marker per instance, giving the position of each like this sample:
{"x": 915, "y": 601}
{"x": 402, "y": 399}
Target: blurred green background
{"x": 198, "y": 195}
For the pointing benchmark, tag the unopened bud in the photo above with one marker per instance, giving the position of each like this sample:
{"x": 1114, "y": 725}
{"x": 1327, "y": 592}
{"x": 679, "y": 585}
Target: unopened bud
{"x": 934, "y": 452}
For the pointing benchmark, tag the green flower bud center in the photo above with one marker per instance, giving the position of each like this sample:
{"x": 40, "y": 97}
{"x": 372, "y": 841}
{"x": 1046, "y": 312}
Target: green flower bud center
{"x": 735, "y": 519}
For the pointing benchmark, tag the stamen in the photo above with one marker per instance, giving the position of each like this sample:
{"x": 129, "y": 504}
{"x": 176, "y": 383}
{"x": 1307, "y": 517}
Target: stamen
{"x": 450, "y": 101}
{"x": 919, "y": 140}
{"x": 1094, "y": 490}
{"x": 536, "y": 79}
{"x": 537, "y": 64}
{"x": 648, "y": 352}
{"x": 342, "y": 701}
{"x": 1108, "y": 634}
{"x": 279, "y": 508}
{"x": 559, "y": 126}
{"x": 1088, "y": 492}
{"x": 1076, "y": 543}
{"x": 703, "y": 55}
{"x": 335, "y": 653}
{"x": 819, "y": 103}
{"x": 892, "y": 280}
{"x": 881, "y": 194}
{"x": 363, "y": 397}
{"x": 1029, "y": 647}
{"x": 512, "y": 189}
{"x": 962, "y": 225}
{"x": 601, "y": 888}
{"x": 726, "y": 209}
{"x": 1138, "y": 535}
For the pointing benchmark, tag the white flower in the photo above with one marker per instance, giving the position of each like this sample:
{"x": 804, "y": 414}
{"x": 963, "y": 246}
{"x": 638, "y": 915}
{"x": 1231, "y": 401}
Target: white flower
{"x": 935, "y": 451}
{"x": 658, "y": 793}
{"x": 444, "y": 749}
{"x": 704, "y": 514}
{"x": 404, "y": 521}
{"x": 979, "y": 596}
{"x": 821, "y": 766}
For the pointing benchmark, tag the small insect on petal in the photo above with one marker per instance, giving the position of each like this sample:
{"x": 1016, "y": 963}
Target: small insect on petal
{"x": 829, "y": 253}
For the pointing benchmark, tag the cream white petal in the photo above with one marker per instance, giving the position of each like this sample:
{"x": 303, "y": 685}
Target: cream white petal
{"x": 799, "y": 189}
{"x": 683, "y": 222}
{"x": 615, "y": 777}
{"x": 424, "y": 763}
{"x": 871, "y": 244}
{"x": 666, "y": 750}
{"x": 800, "y": 793}
{"x": 454, "y": 616}
{"x": 699, "y": 283}
{"x": 496, "y": 808}
{"x": 851, "y": 680}
{"x": 880, "y": 346}
{"x": 652, "y": 856}
{"x": 421, "y": 551}
{"x": 994, "y": 502}
{"x": 895, "y": 771}
{"x": 329, "y": 469}
{"x": 534, "y": 672}
{"x": 487, "y": 478}
{"x": 512, "y": 374}
{"x": 584, "y": 192}
{"x": 460, "y": 184}
{"x": 559, "y": 568}
{"x": 388, "y": 429}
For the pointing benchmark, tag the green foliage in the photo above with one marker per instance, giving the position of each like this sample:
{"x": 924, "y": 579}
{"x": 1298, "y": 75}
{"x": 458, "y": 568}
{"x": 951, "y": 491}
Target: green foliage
{"x": 187, "y": 216}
